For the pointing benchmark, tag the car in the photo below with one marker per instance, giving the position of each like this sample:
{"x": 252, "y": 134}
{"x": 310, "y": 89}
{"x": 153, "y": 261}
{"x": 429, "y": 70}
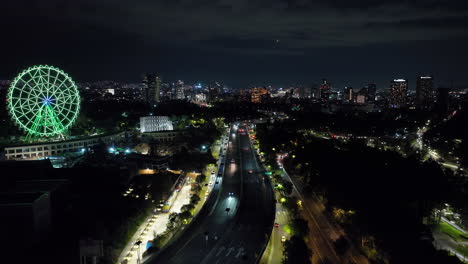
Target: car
{"x": 283, "y": 239}
{"x": 233, "y": 161}
{"x": 245, "y": 148}
{"x": 276, "y": 225}
{"x": 231, "y": 194}
{"x": 250, "y": 171}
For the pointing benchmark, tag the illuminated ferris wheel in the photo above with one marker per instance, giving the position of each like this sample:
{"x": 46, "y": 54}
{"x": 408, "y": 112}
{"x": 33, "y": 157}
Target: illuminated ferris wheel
{"x": 43, "y": 101}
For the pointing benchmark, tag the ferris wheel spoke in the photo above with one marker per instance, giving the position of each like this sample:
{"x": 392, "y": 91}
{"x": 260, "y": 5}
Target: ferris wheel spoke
{"x": 31, "y": 89}
{"x": 29, "y": 115}
{"x": 54, "y": 87}
{"x": 26, "y": 105}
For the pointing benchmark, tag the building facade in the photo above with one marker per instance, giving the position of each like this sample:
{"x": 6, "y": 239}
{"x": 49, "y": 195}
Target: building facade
{"x": 257, "y": 93}
{"x": 152, "y": 85}
{"x": 398, "y": 93}
{"x": 180, "y": 90}
{"x": 42, "y": 150}
{"x": 155, "y": 123}
{"x": 161, "y": 136}
{"x": 424, "y": 92}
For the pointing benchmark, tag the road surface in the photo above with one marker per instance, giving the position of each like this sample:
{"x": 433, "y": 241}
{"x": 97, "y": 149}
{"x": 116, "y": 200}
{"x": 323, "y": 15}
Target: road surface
{"x": 236, "y": 221}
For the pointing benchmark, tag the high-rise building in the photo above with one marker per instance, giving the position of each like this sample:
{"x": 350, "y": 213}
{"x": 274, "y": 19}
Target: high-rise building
{"x": 398, "y": 93}
{"x": 424, "y": 92}
{"x": 348, "y": 94}
{"x": 180, "y": 93}
{"x": 443, "y": 100}
{"x": 152, "y": 85}
{"x": 371, "y": 91}
{"x": 257, "y": 93}
{"x": 325, "y": 89}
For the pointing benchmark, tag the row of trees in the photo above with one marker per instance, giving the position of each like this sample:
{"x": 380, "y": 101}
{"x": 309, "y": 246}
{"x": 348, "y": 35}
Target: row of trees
{"x": 177, "y": 220}
{"x": 389, "y": 194}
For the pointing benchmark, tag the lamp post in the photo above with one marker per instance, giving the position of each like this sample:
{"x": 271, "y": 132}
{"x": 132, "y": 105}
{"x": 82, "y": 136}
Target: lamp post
{"x": 138, "y": 257}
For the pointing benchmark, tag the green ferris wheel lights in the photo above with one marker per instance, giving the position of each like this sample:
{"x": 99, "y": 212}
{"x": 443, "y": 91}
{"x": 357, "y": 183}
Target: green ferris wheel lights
{"x": 43, "y": 101}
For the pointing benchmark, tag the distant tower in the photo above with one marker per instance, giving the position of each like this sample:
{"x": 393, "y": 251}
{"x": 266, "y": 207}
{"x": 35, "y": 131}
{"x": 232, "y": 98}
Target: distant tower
{"x": 424, "y": 92}
{"x": 398, "y": 93}
{"x": 180, "y": 93}
{"x": 325, "y": 89}
{"x": 371, "y": 92}
{"x": 348, "y": 94}
{"x": 443, "y": 100}
{"x": 152, "y": 85}
{"x": 257, "y": 93}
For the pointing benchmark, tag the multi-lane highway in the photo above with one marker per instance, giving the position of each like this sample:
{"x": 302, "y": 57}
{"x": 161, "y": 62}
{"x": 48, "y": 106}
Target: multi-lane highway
{"x": 234, "y": 224}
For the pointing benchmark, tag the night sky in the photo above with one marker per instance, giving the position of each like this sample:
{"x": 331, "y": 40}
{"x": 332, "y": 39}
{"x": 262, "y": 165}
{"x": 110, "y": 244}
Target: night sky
{"x": 239, "y": 42}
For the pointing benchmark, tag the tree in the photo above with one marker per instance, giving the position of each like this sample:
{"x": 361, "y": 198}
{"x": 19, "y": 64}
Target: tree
{"x": 288, "y": 187}
{"x": 296, "y": 251}
{"x": 187, "y": 207}
{"x": 186, "y": 215}
{"x": 341, "y": 245}
{"x": 200, "y": 178}
{"x": 174, "y": 221}
{"x": 291, "y": 205}
{"x": 196, "y": 188}
{"x": 194, "y": 199}
{"x": 300, "y": 227}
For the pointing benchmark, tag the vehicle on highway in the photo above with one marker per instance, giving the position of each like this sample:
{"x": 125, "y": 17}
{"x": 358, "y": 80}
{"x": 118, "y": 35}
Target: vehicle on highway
{"x": 245, "y": 148}
{"x": 250, "y": 171}
{"x": 276, "y": 225}
{"x": 231, "y": 194}
{"x": 233, "y": 161}
{"x": 283, "y": 239}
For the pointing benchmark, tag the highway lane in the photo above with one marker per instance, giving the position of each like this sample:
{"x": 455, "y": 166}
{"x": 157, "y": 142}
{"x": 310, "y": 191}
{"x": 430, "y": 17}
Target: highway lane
{"x": 274, "y": 252}
{"x": 246, "y": 241}
{"x": 323, "y": 233}
{"x": 241, "y": 229}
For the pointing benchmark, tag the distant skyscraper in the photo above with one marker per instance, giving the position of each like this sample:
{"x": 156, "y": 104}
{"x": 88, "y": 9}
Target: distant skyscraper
{"x": 180, "y": 93}
{"x": 325, "y": 89}
{"x": 371, "y": 91}
{"x": 152, "y": 85}
{"x": 348, "y": 94}
{"x": 443, "y": 100}
{"x": 257, "y": 93}
{"x": 424, "y": 92}
{"x": 398, "y": 93}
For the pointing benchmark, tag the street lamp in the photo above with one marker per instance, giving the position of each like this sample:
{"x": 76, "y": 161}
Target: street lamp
{"x": 138, "y": 257}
